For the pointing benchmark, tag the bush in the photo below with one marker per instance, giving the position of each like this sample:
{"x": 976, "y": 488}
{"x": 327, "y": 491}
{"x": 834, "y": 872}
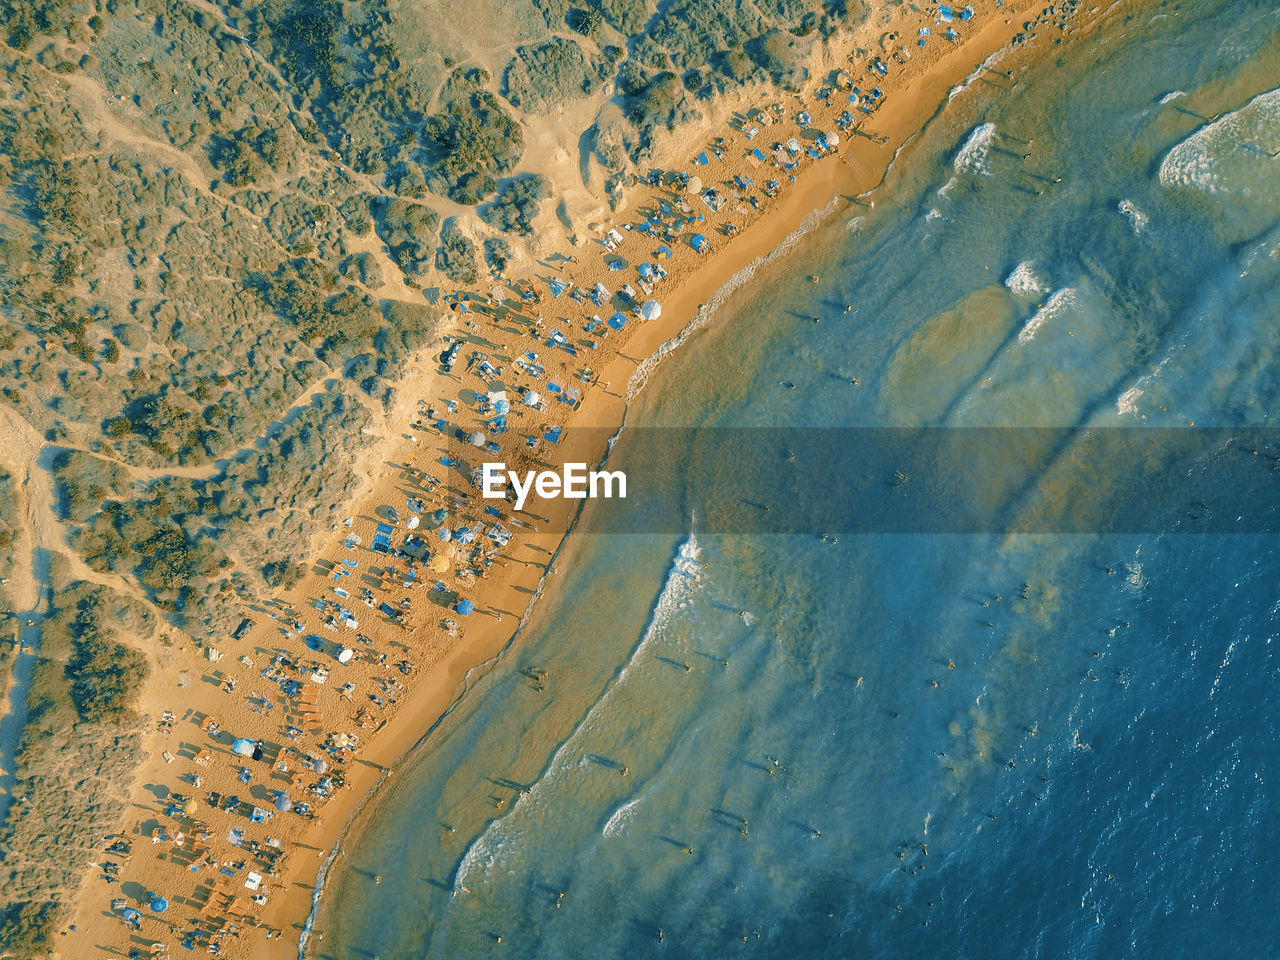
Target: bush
{"x": 409, "y": 231}
{"x": 105, "y": 679}
{"x": 26, "y": 928}
{"x": 477, "y": 141}
{"x": 517, "y": 205}
{"x": 540, "y": 78}
{"x": 456, "y": 258}
{"x": 497, "y": 255}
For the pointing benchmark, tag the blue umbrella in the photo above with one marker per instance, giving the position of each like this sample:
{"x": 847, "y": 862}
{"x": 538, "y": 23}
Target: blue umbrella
{"x": 464, "y": 608}
{"x": 159, "y": 905}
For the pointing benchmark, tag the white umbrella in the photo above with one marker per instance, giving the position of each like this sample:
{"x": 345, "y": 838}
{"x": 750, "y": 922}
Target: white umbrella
{"x": 477, "y": 439}
{"x": 531, "y": 398}
{"x": 695, "y": 185}
{"x": 833, "y": 139}
{"x": 651, "y": 310}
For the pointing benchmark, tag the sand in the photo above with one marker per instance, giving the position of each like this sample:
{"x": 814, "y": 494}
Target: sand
{"x": 440, "y": 664}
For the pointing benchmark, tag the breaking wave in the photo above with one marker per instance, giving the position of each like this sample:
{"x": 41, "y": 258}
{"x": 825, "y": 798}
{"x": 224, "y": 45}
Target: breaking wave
{"x": 1055, "y": 307}
{"x": 973, "y": 155}
{"x": 1137, "y": 219}
{"x": 1024, "y": 281}
{"x": 1233, "y": 153}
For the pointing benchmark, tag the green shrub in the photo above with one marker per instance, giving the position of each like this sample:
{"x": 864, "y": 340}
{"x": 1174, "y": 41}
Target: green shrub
{"x": 456, "y": 258}
{"x": 517, "y": 205}
{"x": 540, "y": 78}
{"x": 477, "y": 141}
{"x": 27, "y": 927}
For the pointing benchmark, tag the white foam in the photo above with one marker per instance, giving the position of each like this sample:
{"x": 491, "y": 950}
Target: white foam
{"x": 933, "y": 214}
{"x": 1128, "y": 402}
{"x": 487, "y": 850}
{"x": 1025, "y": 281}
{"x": 973, "y": 155}
{"x": 640, "y": 376}
{"x": 620, "y": 818}
{"x": 1172, "y": 96}
{"x": 944, "y": 191}
{"x": 1137, "y": 219}
{"x": 1054, "y": 307}
{"x": 977, "y": 74}
{"x": 1231, "y": 153}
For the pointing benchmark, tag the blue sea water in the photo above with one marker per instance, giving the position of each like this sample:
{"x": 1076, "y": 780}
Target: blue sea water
{"x": 710, "y": 744}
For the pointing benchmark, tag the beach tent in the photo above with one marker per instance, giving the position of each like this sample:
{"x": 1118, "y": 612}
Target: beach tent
{"x": 651, "y": 310}
{"x": 190, "y": 807}
{"x": 699, "y": 243}
{"x": 319, "y": 765}
{"x": 694, "y": 185}
{"x": 243, "y": 747}
{"x": 412, "y": 522}
{"x": 159, "y": 904}
{"x": 464, "y": 607}
{"x": 439, "y": 563}
{"x": 438, "y": 516}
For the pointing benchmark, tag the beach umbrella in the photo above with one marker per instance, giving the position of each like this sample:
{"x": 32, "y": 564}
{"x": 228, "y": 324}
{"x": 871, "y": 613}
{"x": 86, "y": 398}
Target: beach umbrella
{"x": 651, "y": 310}
{"x": 319, "y": 765}
{"x": 242, "y": 747}
{"x": 531, "y": 398}
{"x": 444, "y": 533}
{"x": 438, "y": 516}
{"x": 477, "y": 439}
{"x": 283, "y": 803}
{"x": 833, "y": 139}
{"x": 694, "y": 185}
{"x": 345, "y": 654}
{"x": 464, "y": 608}
{"x": 190, "y": 807}
{"x": 159, "y": 905}
{"x": 439, "y": 563}
{"x": 412, "y": 523}
{"x": 466, "y": 535}
{"x": 130, "y": 915}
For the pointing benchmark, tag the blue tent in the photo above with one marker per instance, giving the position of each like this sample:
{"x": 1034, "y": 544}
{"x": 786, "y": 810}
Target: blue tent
{"x": 699, "y": 243}
{"x": 159, "y": 905}
{"x": 464, "y": 608}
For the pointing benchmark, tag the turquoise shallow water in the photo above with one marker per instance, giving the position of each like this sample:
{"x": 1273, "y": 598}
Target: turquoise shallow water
{"x": 911, "y": 745}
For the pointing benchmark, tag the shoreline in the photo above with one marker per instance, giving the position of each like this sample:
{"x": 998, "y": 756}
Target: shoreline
{"x": 716, "y": 284}
{"x": 691, "y": 303}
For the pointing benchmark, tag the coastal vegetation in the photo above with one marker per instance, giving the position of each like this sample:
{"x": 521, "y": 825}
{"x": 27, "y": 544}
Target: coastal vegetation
{"x": 223, "y": 230}
{"x": 76, "y": 755}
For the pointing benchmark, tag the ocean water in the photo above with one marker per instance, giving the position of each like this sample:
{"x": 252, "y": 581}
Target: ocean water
{"x": 707, "y": 743}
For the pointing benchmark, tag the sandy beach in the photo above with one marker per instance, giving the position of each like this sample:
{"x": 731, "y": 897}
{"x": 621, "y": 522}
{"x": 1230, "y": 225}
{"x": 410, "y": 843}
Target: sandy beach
{"x": 417, "y": 667}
